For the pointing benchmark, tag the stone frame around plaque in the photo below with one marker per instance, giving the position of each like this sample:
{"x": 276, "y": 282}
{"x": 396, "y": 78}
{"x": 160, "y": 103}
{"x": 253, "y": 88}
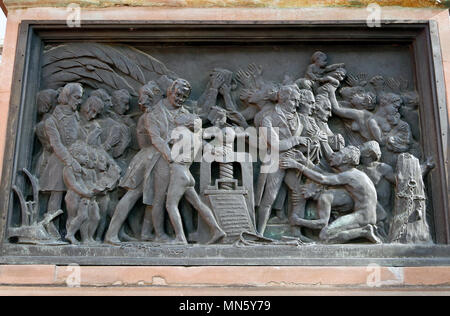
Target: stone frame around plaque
{"x": 422, "y": 36}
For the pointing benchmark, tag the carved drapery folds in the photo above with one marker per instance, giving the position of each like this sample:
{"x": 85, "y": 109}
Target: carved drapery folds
{"x": 112, "y": 166}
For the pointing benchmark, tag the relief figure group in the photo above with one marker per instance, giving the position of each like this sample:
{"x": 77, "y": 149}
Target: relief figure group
{"x": 348, "y": 167}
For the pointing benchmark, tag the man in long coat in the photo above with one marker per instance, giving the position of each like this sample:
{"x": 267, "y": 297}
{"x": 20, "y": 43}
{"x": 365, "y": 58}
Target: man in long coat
{"x": 62, "y": 129}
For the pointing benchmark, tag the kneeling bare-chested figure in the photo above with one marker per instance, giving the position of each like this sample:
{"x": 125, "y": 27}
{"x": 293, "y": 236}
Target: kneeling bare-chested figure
{"x": 360, "y": 223}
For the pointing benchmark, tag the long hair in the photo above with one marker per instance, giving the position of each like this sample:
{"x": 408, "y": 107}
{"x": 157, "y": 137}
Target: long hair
{"x": 351, "y": 155}
{"x": 93, "y": 102}
{"x": 179, "y": 83}
{"x": 67, "y": 91}
{"x": 46, "y": 100}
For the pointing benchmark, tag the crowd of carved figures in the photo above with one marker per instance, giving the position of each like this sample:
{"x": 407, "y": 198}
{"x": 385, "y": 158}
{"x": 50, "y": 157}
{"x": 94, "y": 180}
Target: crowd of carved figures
{"x": 105, "y": 173}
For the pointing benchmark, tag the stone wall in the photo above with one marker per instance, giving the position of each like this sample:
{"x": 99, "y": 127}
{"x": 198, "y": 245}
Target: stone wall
{"x": 12, "y": 5}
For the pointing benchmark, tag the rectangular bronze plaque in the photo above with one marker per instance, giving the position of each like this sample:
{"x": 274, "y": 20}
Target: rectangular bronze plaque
{"x": 322, "y": 143}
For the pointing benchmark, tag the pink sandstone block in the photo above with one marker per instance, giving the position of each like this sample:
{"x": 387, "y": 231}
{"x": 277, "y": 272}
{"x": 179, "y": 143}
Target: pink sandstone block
{"x": 27, "y": 274}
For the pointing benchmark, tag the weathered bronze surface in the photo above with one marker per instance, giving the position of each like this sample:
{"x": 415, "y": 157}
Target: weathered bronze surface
{"x": 339, "y": 150}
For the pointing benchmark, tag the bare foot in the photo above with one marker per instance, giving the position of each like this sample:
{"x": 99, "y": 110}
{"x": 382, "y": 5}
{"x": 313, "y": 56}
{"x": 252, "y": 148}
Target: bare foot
{"x": 162, "y": 239}
{"x": 297, "y": 232}
{"x": 370, "y": 234}
{"x": 218, "y": 235}
{"x": 179, "y": 241}
{"x": 91, "y": 242}
{"x": 112, "y": 241}
{"x": 147, "y": 237}
{"x": 125, "y": 237}
{"x": 72, "y": 240}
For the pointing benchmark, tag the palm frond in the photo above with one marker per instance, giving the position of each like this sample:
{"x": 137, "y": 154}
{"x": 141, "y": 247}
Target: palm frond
{"x": 110, "y": 67}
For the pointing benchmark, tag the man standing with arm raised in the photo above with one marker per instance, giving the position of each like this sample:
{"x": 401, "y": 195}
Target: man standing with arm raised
{"x": 283, "y": 126}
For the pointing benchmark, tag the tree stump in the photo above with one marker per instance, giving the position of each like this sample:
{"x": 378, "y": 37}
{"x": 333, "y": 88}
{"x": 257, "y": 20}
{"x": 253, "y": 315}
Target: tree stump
{"x": 409, "y": 224}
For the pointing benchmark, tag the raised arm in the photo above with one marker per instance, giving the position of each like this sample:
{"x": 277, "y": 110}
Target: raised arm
{"x": 340, "y": 111}
{"x": 207, "y": 100}
{"x": 249, "y": 112}
{"x": 375, "y": 130}
{"x": 335, "y": 179}
{"x": 234, "y": 115}
{"x": 209, "y": 96}
{"x": 334, "y": 67}
{"x": 330, "y": 80}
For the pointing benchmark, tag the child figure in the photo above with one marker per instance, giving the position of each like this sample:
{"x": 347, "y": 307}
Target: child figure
{"x": 182, "y": 184}
{"x": 317, "y": 70}
{"x": 383, "y": 177}
{"x": 108, "y": 174}
{"x": 334, "y": 79}
{"x": 320, "y": 66}
{"x": 80, "y": 197}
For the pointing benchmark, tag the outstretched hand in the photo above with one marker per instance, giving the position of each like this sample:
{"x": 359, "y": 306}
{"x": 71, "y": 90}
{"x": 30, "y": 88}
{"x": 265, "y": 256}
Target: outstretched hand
{"x": 378, "y": 82}
{"x": 255, "y": 70}
{"x": 288, "y": 163}
{"x": 296, "y": 155}
{"x": 244, "y": 78}
{"x": 323, "y": 137}
{"x": 217, "y": 79}
{"x": 246, "y": 95}
{"x": 303, "y": 141}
